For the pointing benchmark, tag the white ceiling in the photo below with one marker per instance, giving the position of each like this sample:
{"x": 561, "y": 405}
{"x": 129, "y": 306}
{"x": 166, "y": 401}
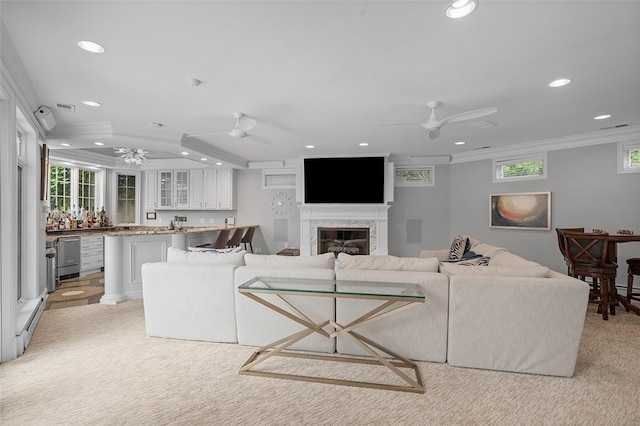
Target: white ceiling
{"x": 328, "y": 73}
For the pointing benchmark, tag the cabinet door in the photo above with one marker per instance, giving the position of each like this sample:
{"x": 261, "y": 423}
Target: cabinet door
{"x": 151, "y": 190}
{"x": 225, "y": 189}
{"x": 196, "y": 189}
{"x": 181, "y": 189}
{"x": 165, "y": 189}
{"x": 210, "y": 189}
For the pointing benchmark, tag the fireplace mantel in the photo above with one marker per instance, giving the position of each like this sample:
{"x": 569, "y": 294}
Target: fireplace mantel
{"x": 372, "y": 216}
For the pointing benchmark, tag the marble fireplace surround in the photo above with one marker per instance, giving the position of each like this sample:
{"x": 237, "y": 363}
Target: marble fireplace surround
{"x": 372, "y": 216}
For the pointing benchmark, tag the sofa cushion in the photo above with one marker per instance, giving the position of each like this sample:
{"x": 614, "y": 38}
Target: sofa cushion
{"x": 511, "y": 260}
{"x": 459, "y": 246}
{"x": 325, "y": 261}
{"x": 387, "y": 263}
{"x": 457, "y": 269}
{"x": 176, "y": 255}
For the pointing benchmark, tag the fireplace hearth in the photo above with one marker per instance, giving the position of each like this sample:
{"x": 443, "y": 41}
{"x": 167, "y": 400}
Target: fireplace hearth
{"x": 343, "y": 240}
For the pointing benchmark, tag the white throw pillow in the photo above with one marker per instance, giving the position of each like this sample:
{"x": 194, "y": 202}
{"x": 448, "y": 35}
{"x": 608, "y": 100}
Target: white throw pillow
{"x": 324, "y": 261}
{"x": 388, "y": 263}
{"x": 530, "y": 272}
{"x": 176, "y": 255}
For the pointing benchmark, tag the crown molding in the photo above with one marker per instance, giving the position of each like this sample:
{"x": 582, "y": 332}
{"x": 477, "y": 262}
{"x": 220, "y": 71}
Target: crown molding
{"x": 626, "y": 134}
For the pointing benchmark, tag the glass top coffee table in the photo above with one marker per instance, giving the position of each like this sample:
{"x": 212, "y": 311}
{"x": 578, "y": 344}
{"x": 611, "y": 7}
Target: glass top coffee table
{"x": 393, "y": 298}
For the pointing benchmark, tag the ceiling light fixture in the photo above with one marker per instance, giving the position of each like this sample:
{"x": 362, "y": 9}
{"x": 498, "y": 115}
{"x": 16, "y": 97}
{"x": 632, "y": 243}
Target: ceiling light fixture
{"x": 560, "y": 82}
{"x": 309, "y": 146}
{"x": 132, "y": 156}
{"x": 602, "y": 117}
{"x": 92, "y": 103}
{"x": 218, "y": 164}
{"x": 184, "y": 153}
{"x": 98, "y": 143}
{"x": 90, "y": 46}
{"x": 363, "y": 144}
{"x": 64, "y": 144}
{"x": 460, "y": 8}
{"x": 459, "y": 143}
{"x": 203, "y": 159}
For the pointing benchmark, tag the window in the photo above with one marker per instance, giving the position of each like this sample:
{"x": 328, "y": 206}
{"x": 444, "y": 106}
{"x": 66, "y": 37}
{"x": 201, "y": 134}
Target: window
{"x": 415, "y": 176}
{"x": 87, "y": 190}
{"x": 126, "y": 198}
{"x": 60, "y": 188}
{"x": 520, "y": 168}
{"x": 629, "y": 157}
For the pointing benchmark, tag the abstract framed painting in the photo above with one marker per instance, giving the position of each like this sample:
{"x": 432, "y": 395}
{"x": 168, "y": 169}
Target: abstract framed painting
{"x": 525, "y": 210}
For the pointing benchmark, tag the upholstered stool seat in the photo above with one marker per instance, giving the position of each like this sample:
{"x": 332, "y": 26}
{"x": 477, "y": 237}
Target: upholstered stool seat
{"x": 634, "y": 269}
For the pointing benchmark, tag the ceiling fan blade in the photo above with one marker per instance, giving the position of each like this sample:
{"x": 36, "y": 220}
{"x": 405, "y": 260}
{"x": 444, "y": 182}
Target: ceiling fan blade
{"x": 469, "y": 115}
{"x": 399, "y": 124}
{"x": 434, "y": 133}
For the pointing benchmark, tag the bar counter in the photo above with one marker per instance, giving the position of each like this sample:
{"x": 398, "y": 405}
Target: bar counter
{"x": 126, "y": 249}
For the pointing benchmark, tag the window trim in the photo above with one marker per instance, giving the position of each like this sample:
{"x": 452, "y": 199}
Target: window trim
{"x": 499, "y": 162}
{"x": 623, "y": 149}
{"x": 432, "y": 175}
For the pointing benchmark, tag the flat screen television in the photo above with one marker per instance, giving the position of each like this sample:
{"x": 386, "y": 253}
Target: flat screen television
{"x": 344, "y": 180}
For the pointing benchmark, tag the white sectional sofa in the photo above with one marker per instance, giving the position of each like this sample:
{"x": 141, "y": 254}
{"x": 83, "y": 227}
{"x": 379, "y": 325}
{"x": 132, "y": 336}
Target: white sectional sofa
{"x": 509, "y": 314}
{"x": 512, "y": 314}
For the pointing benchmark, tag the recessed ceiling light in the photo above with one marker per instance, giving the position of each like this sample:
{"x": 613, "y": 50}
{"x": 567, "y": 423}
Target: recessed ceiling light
{"x": 460, "y": 8}
{"x": 92, "y": 103}
{"x": 184, "y": 153}
{"x": 459, "y": 143}
{"x": 218, "y": 164}
{"x": 560, "y": 82}
{"x": 309, "y": 146}
{"x": 602, "y": 117}
{"x": 65, "y": 144}
{"x": 90, "y": 46}
{"x": 363, "y": 144}
{"x": 203, "y": 159}
{"x": 98, "y": 143}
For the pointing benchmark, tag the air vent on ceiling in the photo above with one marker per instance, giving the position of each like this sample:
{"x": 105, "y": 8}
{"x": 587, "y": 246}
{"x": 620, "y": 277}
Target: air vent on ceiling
{"x": 66, "y": 107}
{"x": 481, "y": 147}
{"x": 615, "y": 127}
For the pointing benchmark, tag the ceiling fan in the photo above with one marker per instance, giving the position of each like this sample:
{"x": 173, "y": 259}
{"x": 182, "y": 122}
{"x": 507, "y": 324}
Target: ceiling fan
{"x": 433, "y": 124}
{"x": 239, "y": 131}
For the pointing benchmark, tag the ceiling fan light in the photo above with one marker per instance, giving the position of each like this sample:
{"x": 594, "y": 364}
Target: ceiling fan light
{"x": 460, "y": 8}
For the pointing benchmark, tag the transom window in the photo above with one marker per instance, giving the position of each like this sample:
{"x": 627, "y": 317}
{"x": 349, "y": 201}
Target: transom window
{"x": 414, "y": 176}
{"x": 629, "y": 157}
{"x": 520, "y": 168}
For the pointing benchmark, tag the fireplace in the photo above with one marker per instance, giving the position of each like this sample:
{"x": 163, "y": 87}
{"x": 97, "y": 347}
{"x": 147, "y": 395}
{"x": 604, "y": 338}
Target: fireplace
{"x": 372, "y": 217}
{"x": 343, "y": 240}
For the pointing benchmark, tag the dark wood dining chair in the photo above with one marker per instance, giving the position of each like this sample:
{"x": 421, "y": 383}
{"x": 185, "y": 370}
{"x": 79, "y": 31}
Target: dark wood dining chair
{"x": 588, "y": 256}
{"x": 633, "y": 269}
{"x": 235, "y": 239}
{"x": 248, "y": 238}
{"x": 561, "y": 245}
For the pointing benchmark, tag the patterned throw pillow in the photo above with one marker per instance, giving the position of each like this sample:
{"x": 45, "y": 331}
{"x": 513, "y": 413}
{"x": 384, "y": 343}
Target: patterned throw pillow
{"x": 459, "y": 247}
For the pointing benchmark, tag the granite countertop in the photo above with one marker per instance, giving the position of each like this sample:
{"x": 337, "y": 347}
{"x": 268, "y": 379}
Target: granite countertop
{"x": 137, "y": 230}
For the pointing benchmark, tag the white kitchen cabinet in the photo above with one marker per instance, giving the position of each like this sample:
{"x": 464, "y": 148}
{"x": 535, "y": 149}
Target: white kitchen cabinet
{"x": 210, "y": 189}
{"x": 196, "y": 200}
{"x": 151, "y": 190}
{"x": 91, "y": 253}
{"x": 225, "y": 186}
{"x": 173, "y": 189}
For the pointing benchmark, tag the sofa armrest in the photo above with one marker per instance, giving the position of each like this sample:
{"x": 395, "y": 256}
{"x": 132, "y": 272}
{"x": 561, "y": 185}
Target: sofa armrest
{"x": 526, "y": 325}
{"x": 440, "y": 254}
{"x": 189, "y": 301}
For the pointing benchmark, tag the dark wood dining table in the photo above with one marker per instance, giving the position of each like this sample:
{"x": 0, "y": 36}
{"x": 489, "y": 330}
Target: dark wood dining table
{"x": 612, "y": 256}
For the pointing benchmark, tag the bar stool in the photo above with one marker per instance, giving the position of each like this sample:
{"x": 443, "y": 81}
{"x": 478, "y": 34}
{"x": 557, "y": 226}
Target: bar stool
{"x": 634, "y": 269}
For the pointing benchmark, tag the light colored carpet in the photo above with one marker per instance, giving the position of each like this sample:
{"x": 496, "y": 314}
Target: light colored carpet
{"x": 94, "y": 365}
